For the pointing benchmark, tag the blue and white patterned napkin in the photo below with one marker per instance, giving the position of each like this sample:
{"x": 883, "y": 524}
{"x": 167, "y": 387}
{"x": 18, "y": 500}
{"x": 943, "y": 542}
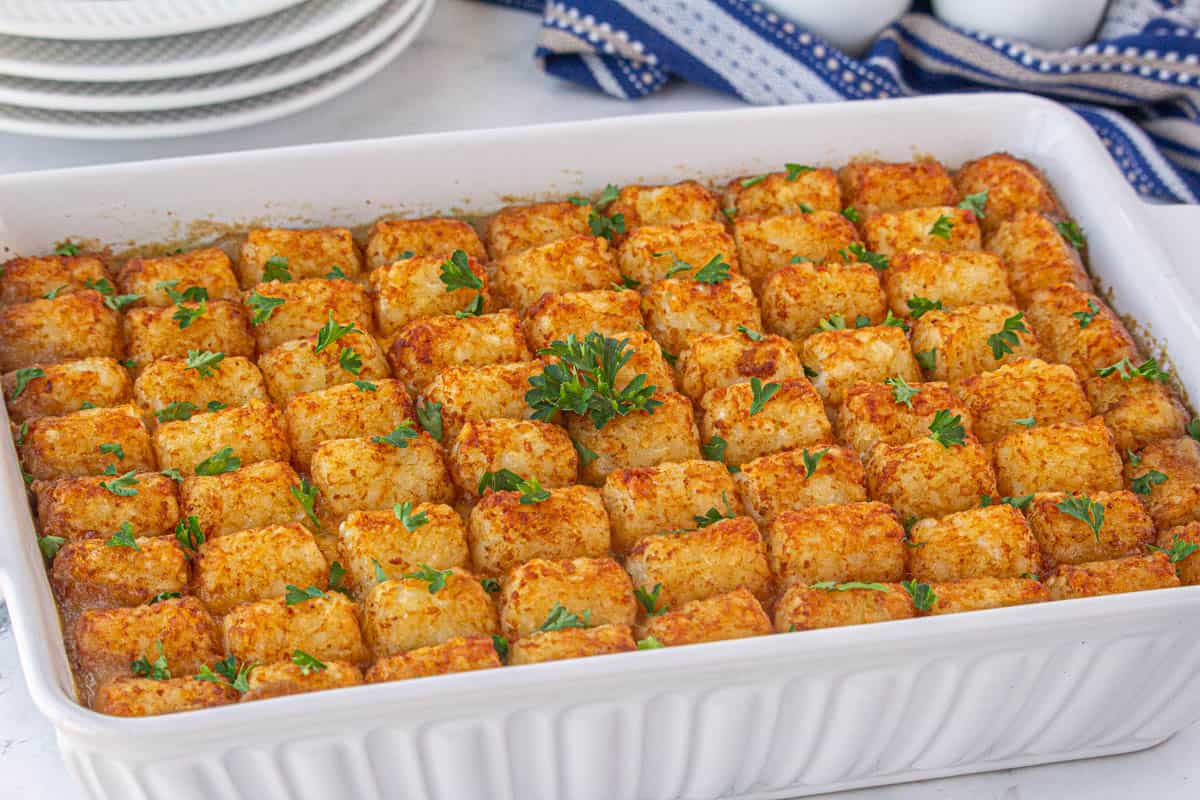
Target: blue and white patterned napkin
{"x": 1138, "y": 85}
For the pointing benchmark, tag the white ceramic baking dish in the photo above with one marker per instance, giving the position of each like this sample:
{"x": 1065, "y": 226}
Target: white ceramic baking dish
{"x": 777, "y": 716}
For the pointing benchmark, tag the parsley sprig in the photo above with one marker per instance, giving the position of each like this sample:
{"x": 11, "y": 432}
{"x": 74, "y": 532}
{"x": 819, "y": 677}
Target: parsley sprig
{"x": 560, "y": 618}
{"x": 204, "y": 362}
{"x": 1085, "y": 317}
{"x": 1084, "y": 509}
{"x": 583, "y": 381}
{"x": 155, "y": 670}
{"x": 922, "y": 594}
{"x": 410, "y": 521}
{"x": 942, "y": 226}
{"x": 436, "y": 578}
{"x": 227, "y": 670}
{"x": 947, "y": 429}
{"x": 975, "y": 203}
{"x": 123, "y": 537}
{"x": 1003, "y": 341}
{"x": 1148, "y": 369}
{"x": 1178, "y": 550}
{"x": 649, "y": 600}
{"x": 902, "y": 392}
{"x": 24, "y": 376}
{"x": 918, "y": 305}
{"x": 399, "y": 437}
{"x": 875, "y": 260}
{"x": 760, "y": 393}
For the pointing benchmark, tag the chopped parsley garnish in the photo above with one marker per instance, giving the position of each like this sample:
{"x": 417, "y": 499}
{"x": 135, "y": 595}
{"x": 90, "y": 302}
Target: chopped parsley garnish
{"x": 429, "y": 416}
{"x": 410, "y": 521}
{"x": 851, "y": 213}
{"x": 560, "y": 618}
{"x": 164, "y": 596}
{"x": 123, "y": 537}
{"x": 649, "y": 643}
{"x": 503, "y": 480}
{"x": 436, "y": 578}
{"x": 227, "y": 670}
{"x": 713, "y": 516}
{"x": 890, "y": 319}
{"x": 276, "y": 269}
{"x": 812, "y": 460}
{"x": 49, "y": 545}
{"x": 902, "y": 392}
{"x": 155, "y": 670}
{"x": 335, "y": 273}
{"x": 67, "y": 249}
{"x": 1018, "y": 503}
{"x": 1193, "y": 429}
{"x": 1179, "y": 550}
{"x": 729, "y": 211}
{"x": 942, "y": 227}
{"x": 760, "y": 394}
{"x": 834, "y": 586}
{"x": 330, "y": 332}
{"x": 380, "y": 575}
{"x": 1086, "y": 510}
{"x": 583, "y": 381}
{"x": 649, "y": 600}
{"x": 306, "y": 496}
{"x": 794, "y": 170}
{"x": 350, "y": 361}
{"x": 607, "y": 195}
{"x": 834, "y": 322}
{"x": 192, "y": 294}
{"x": 53, "y": 293}
{"x": 173, "y": 474}
{"x": 1085, "y": 317}
{"x": 296, "y": 595}
{"x": 1025, "y": 422}
{"x": 204, "y": 361}
{"x": 365, "y": 386}
{"x": 1073, "y": 234}
{"x": 188, "y": 533}
{"x": 927, "y": 358}
{"x": 714, "y": 448}
{"x": 601, "y": 225}
{"x": 876, "y": 261}
{"x": 1143, "y": 484}
{"x": 532, "y": 492}
{"x": 754, "y": 181}
{"x": 947, "y": 429}
{"x": 186, "y": 315}
{"x": 219, "y": 462}
{"x": 118, "y": 302}
{"x": 715, "y": 271}
{"x": 586, "y": 454}
{"x": 750, "y": 333}
{"x": 975, "y": 203}
{"x": 24, "y": 376}
{"x": 262, "y": 307}
{"x": 1003, "y": 342}
{"x": 1148, "y": 369}
{"x": 456, "y": 273}
{"x": 337, "y": 574}
{"x": 490, "y": 585}
{"x": 399, "y": 437}
{"x": 22, "y": 433}
{"x": 306, "y": 663}
{"x": 922, "y": 595}
{"x": 799, "y": 260}
{"x": 111, "y": 449}
{"x": 122, "y": 486}
{"x": 179, "y": 410}
{"x": 805, "y": 208}
{"x": 919, "y": 305}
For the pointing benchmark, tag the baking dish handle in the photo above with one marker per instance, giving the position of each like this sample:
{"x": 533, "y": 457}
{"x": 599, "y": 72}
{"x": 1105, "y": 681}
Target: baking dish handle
{"x": 1177, "y": 229}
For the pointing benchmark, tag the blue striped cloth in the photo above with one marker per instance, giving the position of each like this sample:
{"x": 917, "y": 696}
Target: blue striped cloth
{"x": 1138, "y": 85}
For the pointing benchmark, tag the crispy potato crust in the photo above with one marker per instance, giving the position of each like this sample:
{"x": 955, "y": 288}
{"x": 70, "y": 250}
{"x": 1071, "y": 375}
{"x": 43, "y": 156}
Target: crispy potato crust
{"x": 792, "y": 417}
{"x": 367, "y": 538}
{"x": 257, "y": 564}
{"x": 796, "y": 297}
{"x": 460, "y": 654}
{"x": 974, "y": 594}
{"x": 106, "y": 640}
{"x": 964, "y": 339}
{"x": 286, "y": 678}
{"x": 307, "y": 306}
{"x": 733, "y": 615}
{"x": 343, "y": 412}
{"x": 413, "y": 288}
{"x": 255, "y": 432}
{"x": 593, "y": 588}
{"x": 952, "y": 278}
{"x": 875, "y": 186}
{"x": 356, "y": 474}
{"x": 401, "y": 615}
{"x": 1012, "y": 186}
{"x": 784, "y": 192}
{"x": 505, "y": 532}
{"x": 1175, "y": 501}
{"x": 295, "y": 367}
{"x": 898, "y": 232}
{"x": 672, "y": 204}
{"x": 781, "y": 482}
{"x": 1132, "y": 574}
{"x": 924, "y": 479}
{"x": 856, "y": 541}
{"x": 638, "y": 439}
{"x": 70, "y": 446}
{"x": 390, "y": 239}
{"x": 428, "y": 346}
{"x": 75, "y": 508}
{"x": 870, "y": 413}
{"x": 1025, "y": 389}
{"x": 575, "y": 264}
{"x": 713, "y": 360}
{"x": 1064, "y": 539}
{"x": 271, "y": 630}
{"x": 152, "y": 333}
{"x": 649, "y": 252}
{"x": 516, "y": 228}
{"x": 802, "y": 608}
{"x": 234, "y": 381}
{"x": 842, "y": 358}
{"x": 990, "y": 542}
{"x": 66, "y": 328}
{"x": 129, "y": 696}
{"x": 1064, "y": 457}
{"x": 66, "y": 387}
{"x": 207, "y": 268}
{"x": 529, "y": 448}
{"x": 766, "y": 243}
{"x": 88, "y": 573}
{"x": 572, "y": 643}
{"x": 1036, "y": 254}
{"x": 309, "y": 253}
{"x": 23, "y": 280}
{"x": 257, "y": 495}
{"x": 554, "y": 317}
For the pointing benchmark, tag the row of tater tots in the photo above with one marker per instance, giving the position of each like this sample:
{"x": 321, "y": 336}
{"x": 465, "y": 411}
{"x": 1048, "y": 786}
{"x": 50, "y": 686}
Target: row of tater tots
{"x": 882, "y": 392}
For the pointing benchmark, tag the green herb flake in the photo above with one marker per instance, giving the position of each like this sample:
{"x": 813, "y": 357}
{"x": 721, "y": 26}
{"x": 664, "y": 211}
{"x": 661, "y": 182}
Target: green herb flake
{"x": 713, "y": 516}
{"x": 877, "y": 261}
{"x": 307, "y": 663}
{"x": 179, "y": 410}
{"x": 833, "y": 586}
{"x": 276, "y": 269}
{"x": 1073, "y": 234}
{"x": 164, "y": 596}
{"x": 794, "y": 170}
{"x": 902, "y": 392}
{"x": 586, "y": 455}
{"x": 812, "y": 461}
{"x": 942, "y": 226}
{"x": 649, "y": 643}
{"x": 53, "y": 293}
{"x": 1025, "y": 422}
{"x": 436, "y": 578}
{"x": 750, "y": 333}
{"x": 186, "y": 315}
{"x": 947, "y": 429}
{"x": 560, "y": 619}
{"x": 155, "y": 670}
{"x": 67, "y": 249}
{"x": 583, "y": 381}
{"x": 490, "y": 585}
{"x": 851, "y": 213}
{"x": 330, "y": 332}
{"x": 760, "y": 394}
{"x": 502, "y": 480}
{"x": 123, "y": 537}
{"x": 111, "y": 449}
{"x": 922, "y": 594}
{"x": 262, "y": 307}
{"x": 1004, "y": 341}
{"x": 649, "y": 600}
{"x": 532, "y": 492}
{"x": 188, "y": 533}
{"x": 1084, "y": 509}
{"x": 350, "y": 360}
{"x": 1148, "y": 369}
{"x": 122, "y": 486}
{"x": 24, "y": 376}
{"x": 410, "y": 521}
{"x": 746, "y": 183}
{"x": 715, "y": 271}
{"x": 975, "y": 203}
{"x": 204, "y": 362}
{"x": 1085, "y": 317}
{"x": 1179, "y": 549}
{"x": 500, "y": 645}
{"x": 1144, "y": 483}
{"x": 918, "y": 305}
{"x": 306, "y": 495}
{"x": 399, "y": 437}
{"x": 49, "y": 545}
{"x": 219, "y": 462}
{"x": 335, "y": 273}
{"x": 365, "y": 386}
{"x": 927, "y": 359}
{"x": 297, "y": 595}
{"x": 714, "y": 448}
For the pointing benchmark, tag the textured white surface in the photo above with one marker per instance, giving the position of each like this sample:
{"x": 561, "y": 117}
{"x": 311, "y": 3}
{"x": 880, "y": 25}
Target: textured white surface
{"x": 475, "y": 68}
{"x": 124, "y": 19}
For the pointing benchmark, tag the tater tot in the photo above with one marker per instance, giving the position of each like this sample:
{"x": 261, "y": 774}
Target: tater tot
{"x": 1137, "y": 411}
{"x": 63, "y": 388}
{"x": 871, "y": 413}
{"x": 595, "y": 589}
{"x": 1131, "y": 574}
{"x": 529, "y": 448}
{"x": 287, "y": 677}
{"x": 23, "y": 280}
{"x": 506, "y": 531}
{"x": 793, "y": 479}
{"x": 428, "y": 346}
{"x": 1036, "y": 254}
{"x": 733, "y": 615}
{"x": 257, "y": 564}
{"x": 392, "y": 240}
{"x": 803, "y": 608}
{"x": 475, "y": 394}
{"x": 976, "y": 594}
{"x": 257, "y": 495}
{"x": 693, "y": 565}
{"x": 856, "y": 541}
{"x": 1064, "y": 457}
{"x": 842, "y": 358}
{"x": 990, "y": 542}
{"x": 649, "y": 252}
{"x": 637, "y": 439}
{"x": 253, "y": 432}
{"x": 129, "y": 696}
{"x": 354, "y": 474}
{"x": 516, "y": 228}
{"x": 271, "y": 630}
{"x": 107, "y": 639}
{"x": 676, "y": 309}
{"x": 90, "y": 573}
{"x": 874, "y": 186}
{"x": 1175, "y": 499}
{"x": 796, "y": 297}
{"x": 438, "y": 538}
{"x": 73, "y": 508}
{"x": 766, "y": 243}
{"x": 791, "y": 416}
{"x": 949, "y": 279}
{"x": 460, "y": 654}
{"x": 232, "y": 381}
{"x": 296, "y": 367}
{"x": 344, "y": 412}
{"x": 87, "y": 443}
{"x": 1012, "y": 186}
{"x": 1022, "y": 394}
{"x": 1184, "y": 537}
{"x": 572, "y": 643}
{"x": 923, "y": 478}
{"x": 973, "y": 339}
{"x": 936, "y": 228}
{"x": 555, "y": 317}
{"x": 1126, "y": 528}
{"x": 66, "y": 328}
{"x": 216, "y": 326}
{"x": 672, "y": 204}
{"x": 308, "y": 306}
{"x": 1103, "y": 342}
{"x": 206, "y": 268}
{"x": 303, "y": 253}
{"x": 575, "y": 264}
{"x": 400, "y": 615}
{"x": 799, "y": 189}
{"x": 713, "y": 360}
{"x": 646, "y": 500}
{"x": 427, "y": 286}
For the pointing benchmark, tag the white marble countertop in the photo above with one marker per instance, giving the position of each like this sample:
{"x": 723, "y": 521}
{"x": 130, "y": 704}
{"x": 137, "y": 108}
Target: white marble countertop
{"x": 472, "y": 69}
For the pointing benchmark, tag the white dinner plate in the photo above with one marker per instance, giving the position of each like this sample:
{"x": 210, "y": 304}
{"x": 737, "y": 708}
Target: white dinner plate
{"x": 217, "y": 87}
{"x": 127, "y": 19}
{"x": 208, "y": 119}
{"x": 181, "y": 56}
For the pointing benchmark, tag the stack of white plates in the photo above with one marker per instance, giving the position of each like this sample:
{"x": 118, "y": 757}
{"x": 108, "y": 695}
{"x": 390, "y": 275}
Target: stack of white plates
{"x": 137, "y": 69}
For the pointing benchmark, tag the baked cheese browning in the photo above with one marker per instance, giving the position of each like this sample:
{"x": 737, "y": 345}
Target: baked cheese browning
{"x": 346, "y": 411}
{"x": 938, "y": 228}
{"x": 842, "y": 358}
{"x": 642, "y": 501}
{"x": 107, "y": 640}
{"x": 714, "y": 360}
{"x": 596, "y": 590}
{"x": 75, "y": 508}
{"x": 428, "y": 286}
{"x": 1124, "y": 530}
{"x": 1021, "y": 394}
{"x": 1012, "y": 186}
{"x": 733, "y": 615}
{"x": 798, "y": 189}
{"x": 516, "y": 228}
{"x": 555, "y": 317}
{"x": 1181, "y": 544}
{"x": 257, "y": 564}
{"x": 557, "y": 645}
{"x": 62, "y": 388}
{"x": 401, "y": 615}
{"x": 693, "y": 565}
{"x": 130, "y": 696}
{"x": 1137, "y": 411}
{"x": 803, "y": 608}
{"x": 427, "y": 346}
{"x": 874, "y": 186}
{"x": 926, "y": 478}
{"x": 67, "y": 327}
{"x": 155, "y": 280}
{"x": 460, "y": 654}
{"x": 637, "y": 439}
{"x": 757, "y": 419}
{"x": 1064, "y": 457}
{"x": 222, "y": 440}
{"x": 673, "y": 204}
{"x": 364, "y": 474}
{"x": 1037, "y": 255}
{"x": 390, "y": 544}
{"x": 307, "y": 307}
{"x": 94, "y": 441}
{"x": 990, "y": 542}
{"x": 23, "y": 280}
{"x": 297, "y": 367}
{"x": 795, "y": 479}
{"x": 1167, "y": 475}
{"x": 895, "y": 412}
{"x": 650, "y": 252}
{"x": 285, "y": 678}
{"x": 170, "y": 389}
{"x": 325, "y": 627}
{"x": 300, "y": 253}
{"x": 91, "y": 573}
{"x": 766, "y": 243}
{"x": 973, "y": 339}
{"x": 975, "y": 594}
{"x": 508, "y": 528}
{"x": 920, "y": 280}
{"x": 392, "y": 240}
{"x": 475, "y": 394}
{"x": 851, "y": 542}
{"x": 527, "y": 448}
{"x": 1130, "y": 574}
{"x": 801, "y": 299}
{"x": 575, "y": 264}
{"x": 1054, "y": 314}
{"x": 257, "y": 495}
